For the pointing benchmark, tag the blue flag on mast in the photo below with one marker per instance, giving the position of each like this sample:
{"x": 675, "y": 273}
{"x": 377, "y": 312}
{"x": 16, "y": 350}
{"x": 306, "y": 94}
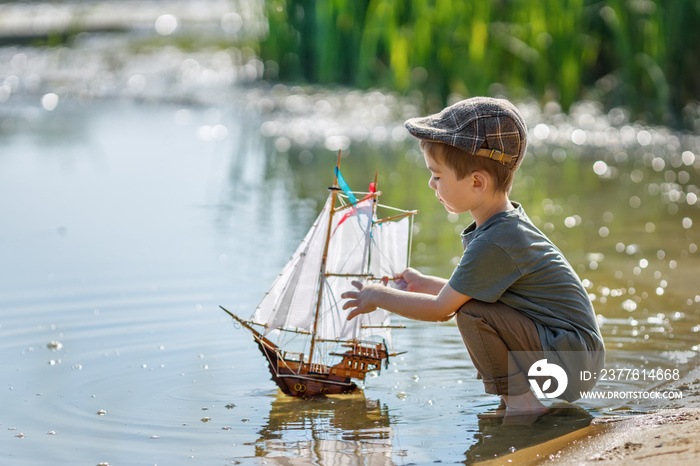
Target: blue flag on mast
{"x": 344, "y": 186}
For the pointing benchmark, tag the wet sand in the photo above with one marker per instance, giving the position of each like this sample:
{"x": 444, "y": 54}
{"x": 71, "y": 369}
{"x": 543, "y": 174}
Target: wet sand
{"x": 669, "y": 434}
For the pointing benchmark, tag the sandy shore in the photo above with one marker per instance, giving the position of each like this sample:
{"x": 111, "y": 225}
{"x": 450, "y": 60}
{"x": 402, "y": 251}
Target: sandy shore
{"x": 670, "y": 434}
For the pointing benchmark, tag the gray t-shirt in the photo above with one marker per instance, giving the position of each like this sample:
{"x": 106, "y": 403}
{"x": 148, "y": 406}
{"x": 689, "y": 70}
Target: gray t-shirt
{"x": 508, "y": 259}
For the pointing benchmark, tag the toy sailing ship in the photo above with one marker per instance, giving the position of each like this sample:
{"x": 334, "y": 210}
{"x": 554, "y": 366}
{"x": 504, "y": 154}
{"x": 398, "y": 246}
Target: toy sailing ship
{"x": 300, "y": 326}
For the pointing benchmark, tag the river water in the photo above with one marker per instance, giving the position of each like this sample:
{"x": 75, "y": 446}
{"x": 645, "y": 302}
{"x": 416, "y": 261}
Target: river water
{"x": 133, "y": 207}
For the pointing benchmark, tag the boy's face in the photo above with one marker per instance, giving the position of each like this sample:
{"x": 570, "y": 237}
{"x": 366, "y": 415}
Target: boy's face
{"x": 458, "y": 196}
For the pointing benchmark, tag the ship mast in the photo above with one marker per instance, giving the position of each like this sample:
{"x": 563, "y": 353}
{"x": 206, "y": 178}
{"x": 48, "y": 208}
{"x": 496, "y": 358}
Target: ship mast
{"x": 322, "y": 272}
{"x": 375, "y": 199}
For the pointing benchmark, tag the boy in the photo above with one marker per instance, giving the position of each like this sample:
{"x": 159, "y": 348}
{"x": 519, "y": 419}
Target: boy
{"x": 516, "y": 298}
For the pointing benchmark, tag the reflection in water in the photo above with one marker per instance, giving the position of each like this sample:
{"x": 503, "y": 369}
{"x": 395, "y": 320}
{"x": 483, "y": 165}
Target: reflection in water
{"x": 345, "y": 429}
{"x": 498, "y": 437}
{"x": 350, "y": 429}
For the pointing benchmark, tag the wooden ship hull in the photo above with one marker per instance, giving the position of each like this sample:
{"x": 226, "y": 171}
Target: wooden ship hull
{"x": 298, "y": 378}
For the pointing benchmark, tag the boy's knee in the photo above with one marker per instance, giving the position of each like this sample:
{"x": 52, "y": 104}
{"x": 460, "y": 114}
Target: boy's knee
{"x": 470, "y": 318}
{"x": 472, "y": 308}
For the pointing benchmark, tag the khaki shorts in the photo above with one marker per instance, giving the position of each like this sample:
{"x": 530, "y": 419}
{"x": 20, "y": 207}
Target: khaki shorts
{"x": 490, "y": 331}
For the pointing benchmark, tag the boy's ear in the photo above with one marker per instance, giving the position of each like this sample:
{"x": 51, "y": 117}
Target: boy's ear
{"x": 480, "y": 180}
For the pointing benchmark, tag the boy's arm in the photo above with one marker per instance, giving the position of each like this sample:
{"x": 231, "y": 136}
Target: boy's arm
{"x": 413, "y": 305}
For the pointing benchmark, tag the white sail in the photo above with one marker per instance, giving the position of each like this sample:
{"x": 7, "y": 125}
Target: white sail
{"x": 358, "y": 247}
{"x": 348, "y": 255}
{"x": 389, "y": 252}
{"x": 291, "y": 301}
{"x": 388, "y": 257}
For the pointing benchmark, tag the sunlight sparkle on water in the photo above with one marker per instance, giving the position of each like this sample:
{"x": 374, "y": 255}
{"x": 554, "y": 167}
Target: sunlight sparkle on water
{"x": 688, "y": 158}
{"x": 166, "y": 24}
{"x": 578, "y": 137}
{"x": 49, "y": 101}
{"x": 644, "y": 138}
{"x": 231, "y": 23}
{"x": 629, "y": 305}
{"x": 55, "y": 345}
{"x": 212, "y": 133}
{"x": 600, "y": 167}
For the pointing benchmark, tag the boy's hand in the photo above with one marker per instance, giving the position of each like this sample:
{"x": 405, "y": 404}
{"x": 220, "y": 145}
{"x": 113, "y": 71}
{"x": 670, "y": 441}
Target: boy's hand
{"x": 408, "y": 280}
{"x": 361, "y": 299}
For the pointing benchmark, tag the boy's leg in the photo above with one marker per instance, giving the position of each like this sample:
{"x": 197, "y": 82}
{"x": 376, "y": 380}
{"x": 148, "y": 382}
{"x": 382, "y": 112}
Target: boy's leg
{"x": 490, "y": 331}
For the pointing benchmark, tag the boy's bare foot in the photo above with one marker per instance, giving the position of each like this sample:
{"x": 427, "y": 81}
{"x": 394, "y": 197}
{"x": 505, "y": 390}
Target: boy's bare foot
{"x": 524, "y": 404}
{"x": 513, "y": 406}
{"x": 495, "y": 413}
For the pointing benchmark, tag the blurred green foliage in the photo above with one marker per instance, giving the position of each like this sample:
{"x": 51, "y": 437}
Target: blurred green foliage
{"x": 641, "y": 54}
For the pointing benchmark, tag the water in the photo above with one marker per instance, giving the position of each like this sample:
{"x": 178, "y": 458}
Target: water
{"x": 124, "y": 229}
{"x": 139, "y": 195}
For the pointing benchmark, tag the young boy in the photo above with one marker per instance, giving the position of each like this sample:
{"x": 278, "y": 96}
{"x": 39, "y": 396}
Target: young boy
{"x": 516, "y": 298}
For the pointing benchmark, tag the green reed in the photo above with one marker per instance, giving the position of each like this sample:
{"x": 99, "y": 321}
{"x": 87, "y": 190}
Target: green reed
{"x": 643, "y": 54}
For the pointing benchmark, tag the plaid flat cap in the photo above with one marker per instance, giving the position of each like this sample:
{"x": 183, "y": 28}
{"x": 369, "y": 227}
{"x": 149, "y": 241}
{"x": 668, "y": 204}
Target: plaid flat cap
{"x": 471, "y": 122}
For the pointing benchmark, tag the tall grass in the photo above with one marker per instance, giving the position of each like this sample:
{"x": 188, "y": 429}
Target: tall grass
{"x": 644, "y": 54}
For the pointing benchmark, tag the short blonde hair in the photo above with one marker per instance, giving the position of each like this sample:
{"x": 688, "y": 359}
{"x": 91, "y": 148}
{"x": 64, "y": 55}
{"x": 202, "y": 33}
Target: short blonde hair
{"x": 464, "y": 163}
